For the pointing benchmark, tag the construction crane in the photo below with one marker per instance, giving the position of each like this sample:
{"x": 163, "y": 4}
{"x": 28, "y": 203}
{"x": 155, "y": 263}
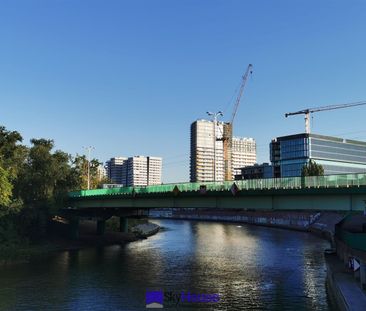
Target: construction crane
{"x": 308, "y": 111}
{"x": 242, "y": 86}
{"x": 227, "y": 136}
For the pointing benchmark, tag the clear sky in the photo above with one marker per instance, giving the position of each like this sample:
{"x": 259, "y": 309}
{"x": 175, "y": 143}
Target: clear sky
{"x": 129, "y": 77}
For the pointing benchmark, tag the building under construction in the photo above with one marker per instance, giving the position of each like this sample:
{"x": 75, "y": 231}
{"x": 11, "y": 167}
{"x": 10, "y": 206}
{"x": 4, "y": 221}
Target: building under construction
{"x": 209, "y": 159}
{"x": 215, "y": 154}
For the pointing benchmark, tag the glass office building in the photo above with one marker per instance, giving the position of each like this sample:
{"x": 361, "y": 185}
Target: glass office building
{"x": 337, "y": 156}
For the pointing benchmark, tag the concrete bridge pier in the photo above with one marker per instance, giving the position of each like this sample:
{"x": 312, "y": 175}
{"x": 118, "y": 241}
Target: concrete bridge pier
{"x": 100, "y": 227}
{"x": 74, "y": 228}
{"x": 123, "y": 224}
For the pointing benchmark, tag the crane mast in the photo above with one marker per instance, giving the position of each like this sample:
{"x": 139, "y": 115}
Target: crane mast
{"x": 228, "y": 127}
{"x": 308, "y": 111}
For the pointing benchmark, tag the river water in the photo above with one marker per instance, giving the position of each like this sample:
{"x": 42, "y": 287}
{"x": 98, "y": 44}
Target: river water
{"x": 248, "y": 267}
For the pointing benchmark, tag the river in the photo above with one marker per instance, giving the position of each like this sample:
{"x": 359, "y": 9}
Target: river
{"x": 247, "y": 267}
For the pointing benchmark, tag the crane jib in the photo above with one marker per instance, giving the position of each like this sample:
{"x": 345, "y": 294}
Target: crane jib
{"x": 324, "y": 108}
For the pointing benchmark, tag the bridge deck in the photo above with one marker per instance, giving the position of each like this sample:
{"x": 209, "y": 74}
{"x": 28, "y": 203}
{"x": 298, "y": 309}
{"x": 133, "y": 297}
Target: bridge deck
{"x": 269, "y": 184}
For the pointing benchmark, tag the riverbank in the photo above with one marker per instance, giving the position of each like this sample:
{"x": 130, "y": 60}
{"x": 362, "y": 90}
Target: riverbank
{"x": 23, "y": 252}
{"x": 321, "y": 224}
{"x": 345, "y": 291}
{"x": 88, "y": 236}
{"x": 145, "y": 230}
{"x": 58, "y": 240}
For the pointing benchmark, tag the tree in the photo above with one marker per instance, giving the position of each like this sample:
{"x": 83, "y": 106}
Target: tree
{"x": 12, "y": 157}
{"x": 312, "y": 169}
{"x": 45, "y": 176}
{"x": 12, "y": 154}
{"x": 5, "y": 188}
{"x": 80, "y": 167}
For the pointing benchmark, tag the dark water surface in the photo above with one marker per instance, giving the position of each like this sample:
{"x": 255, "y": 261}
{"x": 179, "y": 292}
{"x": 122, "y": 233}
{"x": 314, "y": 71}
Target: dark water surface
{"x": 251, "y": 268}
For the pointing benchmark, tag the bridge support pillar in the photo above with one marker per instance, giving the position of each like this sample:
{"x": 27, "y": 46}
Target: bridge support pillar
{"x": 123, "y": 224}
{"x": 74, "y": 228}
{"x": 100, "y": 227}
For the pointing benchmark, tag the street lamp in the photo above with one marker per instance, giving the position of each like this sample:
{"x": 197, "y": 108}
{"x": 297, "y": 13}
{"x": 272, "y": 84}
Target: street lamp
{"x": 89, "y": 149}
{"x": 214, "y": 119}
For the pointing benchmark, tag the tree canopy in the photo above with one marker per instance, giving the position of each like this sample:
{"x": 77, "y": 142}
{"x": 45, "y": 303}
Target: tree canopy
{"x": 38, "y": 175}
{"x": 34, "y": 179}
{"x": 5, "y": 188}
{"x": 80, "y": 165}
{"x": 312, "y": 169}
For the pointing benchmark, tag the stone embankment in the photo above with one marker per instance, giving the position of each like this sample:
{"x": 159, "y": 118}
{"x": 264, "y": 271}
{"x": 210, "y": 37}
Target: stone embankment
{"x": 145, "y": 230}
{"x": 283, "y": 219}
{"x": 324, "y": 225}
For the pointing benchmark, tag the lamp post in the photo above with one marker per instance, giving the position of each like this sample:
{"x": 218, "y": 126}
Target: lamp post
{"x": 89, "y": 149}
{"x": 214, "y": 120}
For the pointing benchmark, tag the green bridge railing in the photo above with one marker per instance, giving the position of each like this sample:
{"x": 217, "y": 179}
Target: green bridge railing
{"x": 329, "y": 181}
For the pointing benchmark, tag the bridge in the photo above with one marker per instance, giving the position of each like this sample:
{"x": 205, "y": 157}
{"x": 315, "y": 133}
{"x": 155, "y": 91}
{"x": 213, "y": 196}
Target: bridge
{"x": 333, "y": 192}
{"x": 315, "y": 193}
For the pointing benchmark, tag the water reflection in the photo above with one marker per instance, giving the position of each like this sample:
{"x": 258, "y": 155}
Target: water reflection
{"x": 252, "y": 268}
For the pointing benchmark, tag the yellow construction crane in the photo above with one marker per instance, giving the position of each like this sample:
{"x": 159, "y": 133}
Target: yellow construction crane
{"x": 227, "y": 136}
{"x": 308, "y": 111}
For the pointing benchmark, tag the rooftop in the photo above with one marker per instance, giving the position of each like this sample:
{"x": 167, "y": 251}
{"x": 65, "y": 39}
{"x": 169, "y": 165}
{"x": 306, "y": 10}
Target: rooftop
{"x": 323, "y": 137}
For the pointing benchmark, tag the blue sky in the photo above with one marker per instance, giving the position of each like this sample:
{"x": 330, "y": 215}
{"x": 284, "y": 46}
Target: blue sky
{"x": 129, "y": 77}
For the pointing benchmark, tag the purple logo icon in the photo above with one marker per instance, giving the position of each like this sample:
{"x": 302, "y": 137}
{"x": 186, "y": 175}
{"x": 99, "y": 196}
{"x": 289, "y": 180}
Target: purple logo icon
{"x": 154, "y": 299}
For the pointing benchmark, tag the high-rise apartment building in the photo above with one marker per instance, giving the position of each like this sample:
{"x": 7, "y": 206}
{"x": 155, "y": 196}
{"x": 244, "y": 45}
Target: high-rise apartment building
{"x": 203, "y": 151}
{"x": 243, "y": 153}
{"x": 135, "y": 171}
{"x": 207, "y": 146}
{"x": 155, "y": 165}
{"x": 117, "y": 170}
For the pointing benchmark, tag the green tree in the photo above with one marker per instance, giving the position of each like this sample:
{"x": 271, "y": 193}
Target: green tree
{"x": 312, "y": 169}
{"x": 5, "y": 188}
{"x": 38, "y": 174}
{"x": 80, "y": 167}
{"x": 45, "y": 176}
{"x": 12, "y": 153}
{"x": 12, "y": 157}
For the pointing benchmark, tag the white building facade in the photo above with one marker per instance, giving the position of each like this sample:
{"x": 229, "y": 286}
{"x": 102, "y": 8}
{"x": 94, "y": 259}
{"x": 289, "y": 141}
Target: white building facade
{"x": 207, "y": 149}
{"x": 135, "y": 171}
{"x": 243, "y": 153}
{"x": 155, "y": 166}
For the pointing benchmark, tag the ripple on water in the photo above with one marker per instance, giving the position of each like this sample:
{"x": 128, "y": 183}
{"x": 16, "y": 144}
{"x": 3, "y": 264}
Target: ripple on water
{"x": 254, "y": 268}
